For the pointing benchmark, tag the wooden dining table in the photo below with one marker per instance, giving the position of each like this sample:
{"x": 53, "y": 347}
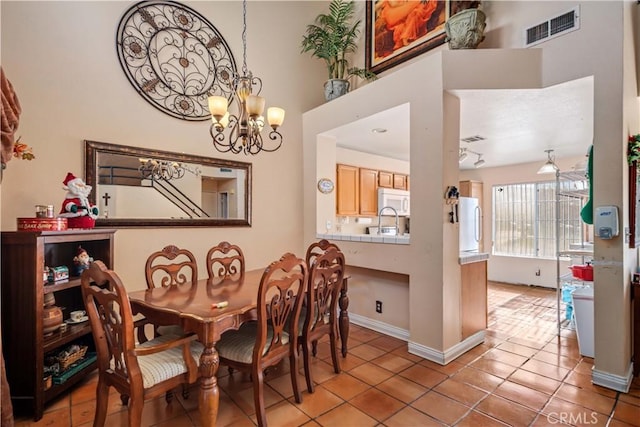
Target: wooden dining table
{"x": 191, "y": 306}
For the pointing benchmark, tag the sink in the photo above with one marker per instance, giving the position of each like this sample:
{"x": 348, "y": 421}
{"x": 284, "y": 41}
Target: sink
{"x": 386, "y": 231}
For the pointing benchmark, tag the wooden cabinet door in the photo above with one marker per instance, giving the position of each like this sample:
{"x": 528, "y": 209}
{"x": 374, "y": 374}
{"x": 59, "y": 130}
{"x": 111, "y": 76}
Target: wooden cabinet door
{"x": 347, "y": 191}
{"x": 385, "y": 179}
{"x": 368, "y": 191}
{"x": 474, "y": 298}
{"x": 399, "y": 181}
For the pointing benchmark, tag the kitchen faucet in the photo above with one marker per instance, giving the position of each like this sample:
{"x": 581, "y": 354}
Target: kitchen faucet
{"x": 380, "y": 217}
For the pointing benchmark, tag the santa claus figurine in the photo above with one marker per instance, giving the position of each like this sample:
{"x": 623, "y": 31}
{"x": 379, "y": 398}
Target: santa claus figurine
{"x": 80, "y": 213}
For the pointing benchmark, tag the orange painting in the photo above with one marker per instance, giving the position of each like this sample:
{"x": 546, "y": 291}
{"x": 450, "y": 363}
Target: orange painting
{"x": 400, "y": 29}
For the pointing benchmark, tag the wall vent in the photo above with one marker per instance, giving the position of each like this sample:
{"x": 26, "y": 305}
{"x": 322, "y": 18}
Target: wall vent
{"x": 553, "y": 27}
{"x": 474, "y": 138}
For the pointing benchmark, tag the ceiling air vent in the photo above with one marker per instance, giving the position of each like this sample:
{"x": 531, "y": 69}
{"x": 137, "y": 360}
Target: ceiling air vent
{"x": 474, "y": 138}
{"x": 553, "y": 27}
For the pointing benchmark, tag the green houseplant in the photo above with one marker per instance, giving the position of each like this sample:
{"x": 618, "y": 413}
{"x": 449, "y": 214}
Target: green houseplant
{"x": 331, "y": 37}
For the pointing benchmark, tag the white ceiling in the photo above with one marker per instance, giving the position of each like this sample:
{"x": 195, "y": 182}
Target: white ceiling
{"x": 518, "y": 125}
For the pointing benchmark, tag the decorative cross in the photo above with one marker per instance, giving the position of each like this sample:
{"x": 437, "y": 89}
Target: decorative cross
{"x": 106, "y": 198}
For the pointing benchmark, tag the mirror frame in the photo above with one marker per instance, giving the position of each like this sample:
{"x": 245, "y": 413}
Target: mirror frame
{"x": 93, "y": 148}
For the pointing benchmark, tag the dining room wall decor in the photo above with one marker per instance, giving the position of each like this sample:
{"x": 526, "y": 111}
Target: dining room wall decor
{"x": 175, "y": 58}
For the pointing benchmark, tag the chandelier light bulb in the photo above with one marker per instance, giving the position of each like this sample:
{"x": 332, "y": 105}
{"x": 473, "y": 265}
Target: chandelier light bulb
{"x": 275, "y": 116}
{"x": 255, "y": 105}
{"x": 217, "y": 107}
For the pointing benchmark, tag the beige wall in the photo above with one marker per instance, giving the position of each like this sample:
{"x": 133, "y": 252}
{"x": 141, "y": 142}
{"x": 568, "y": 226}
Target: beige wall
{"x": 60, "y": 56}
{"x": 62, "y": 61}
{"x": 431, "y": 260}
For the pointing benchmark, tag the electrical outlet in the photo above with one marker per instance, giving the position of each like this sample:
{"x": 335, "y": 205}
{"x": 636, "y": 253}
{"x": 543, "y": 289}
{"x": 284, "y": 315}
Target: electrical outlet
{"x": 378, "y": 306}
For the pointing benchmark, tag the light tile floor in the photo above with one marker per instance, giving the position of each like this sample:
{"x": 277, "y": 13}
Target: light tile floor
{"x": 523, "y": 375}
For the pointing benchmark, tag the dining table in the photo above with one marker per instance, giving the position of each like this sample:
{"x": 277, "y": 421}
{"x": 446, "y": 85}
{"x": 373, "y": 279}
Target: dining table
{"x": 208, "y": 308}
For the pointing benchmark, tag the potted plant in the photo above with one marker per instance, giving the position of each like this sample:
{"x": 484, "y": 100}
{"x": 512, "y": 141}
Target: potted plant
{"x": 330, "y": 38}
{"x": 465, "y": 27}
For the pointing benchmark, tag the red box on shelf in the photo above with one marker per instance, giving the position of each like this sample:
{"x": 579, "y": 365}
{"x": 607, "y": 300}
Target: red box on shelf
{"x": 582, "y": 272}
{"x": 42, "y": 224}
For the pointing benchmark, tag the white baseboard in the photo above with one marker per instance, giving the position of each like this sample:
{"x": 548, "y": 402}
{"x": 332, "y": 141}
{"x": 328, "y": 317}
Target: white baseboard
{"x": 444, "y": 357}
{"x": 378, "y": 326}
{"x": 614, "y": 382}
{"x": 441, "y": 357}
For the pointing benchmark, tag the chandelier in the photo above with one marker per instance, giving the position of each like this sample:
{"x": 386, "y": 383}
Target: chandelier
{"x": 246, "y": 127}
{"x": 166, "y": 170}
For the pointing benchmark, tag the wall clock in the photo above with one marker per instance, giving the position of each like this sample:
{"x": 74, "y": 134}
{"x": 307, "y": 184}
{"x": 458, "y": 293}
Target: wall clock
{"x": 325, "y": 185}
{"x": 174, "y": 58}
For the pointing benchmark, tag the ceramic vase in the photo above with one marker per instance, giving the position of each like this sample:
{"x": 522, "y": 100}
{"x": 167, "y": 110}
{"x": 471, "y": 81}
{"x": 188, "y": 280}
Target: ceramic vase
{"x": 334, "y": 88}
{"x": 465, "y": 29}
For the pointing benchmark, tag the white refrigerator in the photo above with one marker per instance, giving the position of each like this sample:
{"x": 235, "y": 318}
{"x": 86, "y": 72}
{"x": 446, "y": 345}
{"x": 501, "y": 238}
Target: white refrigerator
{"x": 469, "y": 217}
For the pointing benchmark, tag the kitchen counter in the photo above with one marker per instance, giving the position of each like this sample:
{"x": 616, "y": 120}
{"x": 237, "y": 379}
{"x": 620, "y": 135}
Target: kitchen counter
{"x": 469, "y": 257}
{"x": 402, "y": 239}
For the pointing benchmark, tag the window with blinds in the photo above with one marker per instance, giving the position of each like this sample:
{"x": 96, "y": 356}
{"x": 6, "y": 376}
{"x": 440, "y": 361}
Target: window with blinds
{"x": 524, "y": 220}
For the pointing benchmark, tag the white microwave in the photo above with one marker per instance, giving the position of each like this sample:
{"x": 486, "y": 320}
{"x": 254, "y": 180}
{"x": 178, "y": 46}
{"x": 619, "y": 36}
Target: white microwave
{"x": 397, "y": 199}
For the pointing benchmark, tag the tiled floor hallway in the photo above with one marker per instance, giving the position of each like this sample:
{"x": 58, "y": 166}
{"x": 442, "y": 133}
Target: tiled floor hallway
{"x": 523, "y": 375}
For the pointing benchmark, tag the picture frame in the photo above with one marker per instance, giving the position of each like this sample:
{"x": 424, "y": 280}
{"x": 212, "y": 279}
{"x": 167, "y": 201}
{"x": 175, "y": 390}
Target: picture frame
{"x": 418, "y": 26}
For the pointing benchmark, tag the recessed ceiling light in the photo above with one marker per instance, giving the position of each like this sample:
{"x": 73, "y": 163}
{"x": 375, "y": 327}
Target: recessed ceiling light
{"x": 378, "y": 130}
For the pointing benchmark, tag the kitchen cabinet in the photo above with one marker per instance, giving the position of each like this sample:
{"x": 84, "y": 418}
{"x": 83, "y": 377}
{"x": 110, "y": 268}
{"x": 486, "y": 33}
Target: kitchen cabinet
{"x": 471, "y": 189}
{"x": 25, "y": 347}
{"x": 368, "y": 192}
{"x": 474, "y": 297}
{"x": 385, "y": 179}
{"x": 357, "y": 189}
{"x": 474, "y": 189}
{"x": 347, "y": 190}
{"x": 399, "y": 181}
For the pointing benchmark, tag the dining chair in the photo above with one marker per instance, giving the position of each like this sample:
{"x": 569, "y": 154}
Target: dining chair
{"x": 314, "y": 250}
{"x": 140, "y": 372}
{"x": 171, "y": 266}
{"x": 326, "y": 275}
{"x": 225, "y": 262}
{"x": 259, "y": 344}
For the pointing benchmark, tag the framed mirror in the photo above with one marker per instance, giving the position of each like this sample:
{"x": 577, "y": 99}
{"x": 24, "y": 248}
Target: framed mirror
{"x": 138, "y": 187}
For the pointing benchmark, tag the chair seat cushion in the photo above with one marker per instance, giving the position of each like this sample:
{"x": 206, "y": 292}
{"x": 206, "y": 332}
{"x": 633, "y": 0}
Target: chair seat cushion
{"x": 170, "y": 330}
{"x": 166, "y": 364}
{"x": 238, "y": 345}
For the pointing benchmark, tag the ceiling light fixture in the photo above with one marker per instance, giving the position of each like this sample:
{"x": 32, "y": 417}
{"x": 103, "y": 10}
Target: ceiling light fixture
{"x": 246, "y": 127}
{"x": 550, "y": 165}
{"x": 462, "y": 155}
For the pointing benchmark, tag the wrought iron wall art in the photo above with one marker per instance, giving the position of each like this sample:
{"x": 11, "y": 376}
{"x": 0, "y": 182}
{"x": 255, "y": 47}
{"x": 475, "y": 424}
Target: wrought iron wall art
{"x": 175, "y": 58}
